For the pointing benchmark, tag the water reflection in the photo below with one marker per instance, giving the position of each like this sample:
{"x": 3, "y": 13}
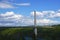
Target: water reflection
{"x": 30, "y": 38}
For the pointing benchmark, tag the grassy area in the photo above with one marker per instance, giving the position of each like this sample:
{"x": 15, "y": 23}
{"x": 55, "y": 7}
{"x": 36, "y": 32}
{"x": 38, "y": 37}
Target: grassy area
{"x": 17, "y": 33}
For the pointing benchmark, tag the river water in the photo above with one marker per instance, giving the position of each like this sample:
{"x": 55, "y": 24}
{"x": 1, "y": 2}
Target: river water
{"x": 29, "y": 38}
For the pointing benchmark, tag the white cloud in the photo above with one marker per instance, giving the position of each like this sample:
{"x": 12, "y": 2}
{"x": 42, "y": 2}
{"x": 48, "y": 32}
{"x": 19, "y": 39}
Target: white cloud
{"x": 43, "y": 14}
{"x": 11, "y": 18}
{"x": 8, "y": 14}
{"x": 40, "y": 14}
{"x": 47, "y": 14}
{"x": 47, "y": 17}
{"x": 24, "y": 4}
{"x": 56, "y": 14}
{"x": 11, "y": 15}
{"x": 46, "y": 21}
{"x": 5, "y": 5}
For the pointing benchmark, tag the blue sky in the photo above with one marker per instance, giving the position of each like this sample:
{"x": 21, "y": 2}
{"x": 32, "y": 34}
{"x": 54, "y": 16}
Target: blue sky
{"x": 46, "y": 10}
